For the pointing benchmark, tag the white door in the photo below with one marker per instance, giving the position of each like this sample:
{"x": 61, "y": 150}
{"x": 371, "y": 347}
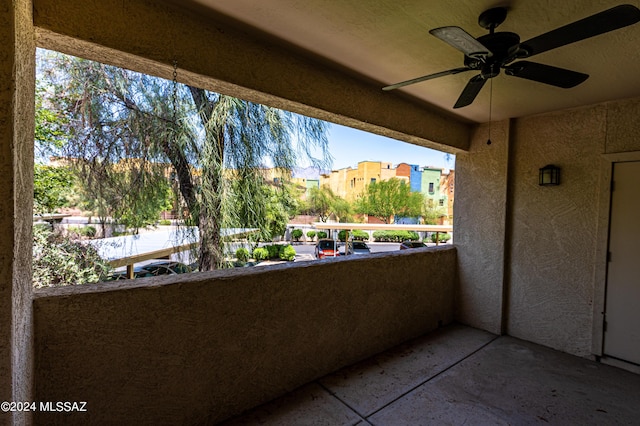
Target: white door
{"x": 622, "y": 316}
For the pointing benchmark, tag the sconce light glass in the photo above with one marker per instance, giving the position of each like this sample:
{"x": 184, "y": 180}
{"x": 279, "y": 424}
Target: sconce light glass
{"x": 549, "y": 175}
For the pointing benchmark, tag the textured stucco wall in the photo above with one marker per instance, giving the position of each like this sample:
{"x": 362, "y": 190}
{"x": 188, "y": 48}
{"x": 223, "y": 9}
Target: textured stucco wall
{"x": 530, "y": 257}
{"x": 17, "y": 51}
{"x": 554, "y": 235}
{"x": 219, "y": 57}
{"x": 213, "y": 344}
{"x": 623, "y": 126}
{"x": 479, "y": 223}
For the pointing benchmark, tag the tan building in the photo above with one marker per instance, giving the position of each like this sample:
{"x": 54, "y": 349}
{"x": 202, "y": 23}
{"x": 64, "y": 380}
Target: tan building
{"x": 336, "y": 180}
{"x": 349, "y": 183}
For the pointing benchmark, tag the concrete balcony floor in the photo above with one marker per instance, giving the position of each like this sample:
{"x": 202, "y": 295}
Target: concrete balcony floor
{"x": 461, "y": 375}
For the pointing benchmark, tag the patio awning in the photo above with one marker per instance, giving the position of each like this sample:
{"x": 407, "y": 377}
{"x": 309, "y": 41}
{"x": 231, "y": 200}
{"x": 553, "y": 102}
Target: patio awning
{"x": 383, "y": 227}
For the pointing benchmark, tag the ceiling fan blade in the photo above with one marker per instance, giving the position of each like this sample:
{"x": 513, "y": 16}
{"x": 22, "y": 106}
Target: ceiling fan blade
{"x": 470, "y": 91}
{"x": 600, "y": 23}
{"x": 559, "y": 77}
{"x": 426, "y": 77}
{"x": 461, "y": 40}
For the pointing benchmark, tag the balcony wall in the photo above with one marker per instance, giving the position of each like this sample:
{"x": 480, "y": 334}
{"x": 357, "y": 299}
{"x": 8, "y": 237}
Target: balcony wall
{"x": 202, "y": 347}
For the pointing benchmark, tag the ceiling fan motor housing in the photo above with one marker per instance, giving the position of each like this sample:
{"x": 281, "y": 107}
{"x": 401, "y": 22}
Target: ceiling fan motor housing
{"x": 503, "y": 47}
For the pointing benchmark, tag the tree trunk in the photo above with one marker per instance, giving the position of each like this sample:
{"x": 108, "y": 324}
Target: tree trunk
{"x": 210, "y": 255}
{"x": 180, "y": 164}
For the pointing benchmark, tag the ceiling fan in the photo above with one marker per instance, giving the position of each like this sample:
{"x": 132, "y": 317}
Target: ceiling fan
{"x": 498, "y": 50}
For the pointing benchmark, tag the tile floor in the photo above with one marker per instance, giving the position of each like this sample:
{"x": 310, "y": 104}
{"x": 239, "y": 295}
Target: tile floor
{"x": 460, "y": 375}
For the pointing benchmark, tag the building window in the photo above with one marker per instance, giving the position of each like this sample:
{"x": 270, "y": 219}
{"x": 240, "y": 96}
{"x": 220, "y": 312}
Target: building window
{"x": 441, "y": 202}
{"x": 430, "y": 187}
{"x": 373, "y": 180}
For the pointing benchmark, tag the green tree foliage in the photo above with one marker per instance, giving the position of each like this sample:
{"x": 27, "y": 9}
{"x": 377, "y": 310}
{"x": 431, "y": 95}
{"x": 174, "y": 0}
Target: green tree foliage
{"x": 60, "y": 261}
{"x": 311, "y": 235}
{"x": 386, "y": 199}
{"x": 141, "y": 199}
{"x": 324, "y": 203}
{"x": 270, "y": 208}
{"x": 51, "y": 124}
{"x": 430, "y": 215}
{"x": 343, "y": 210}
{"x": 216, "y": 146}
{"x": 51, "y": 187}
{"x": 319, "y": 202}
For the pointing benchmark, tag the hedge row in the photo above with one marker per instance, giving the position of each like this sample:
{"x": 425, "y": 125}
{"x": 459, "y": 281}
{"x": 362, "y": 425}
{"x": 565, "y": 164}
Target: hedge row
{"x": 395, "y": 236}
{"x": 271, "y": 251}
{"x": 356, "y": 234}
{"x": 443, "y": 237}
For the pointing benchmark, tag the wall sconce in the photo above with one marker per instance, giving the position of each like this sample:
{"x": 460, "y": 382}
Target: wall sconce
{"x": 549, "y": 175}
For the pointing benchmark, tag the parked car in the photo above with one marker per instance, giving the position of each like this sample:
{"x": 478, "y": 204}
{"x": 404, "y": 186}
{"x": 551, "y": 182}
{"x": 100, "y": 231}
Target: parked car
{"x": 411, "y": 245}
{"x": 138, "y": 272}
{"x": 357, "y": 247}
{"x": 327, "y": 248}
{"x": 162, "y": 267}
{"x": 167, "y": 268}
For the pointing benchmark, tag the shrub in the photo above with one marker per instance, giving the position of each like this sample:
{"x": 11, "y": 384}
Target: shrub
{"x": 356, "y": 234}
{"x": 412, "y": 235}
{"x": 443, "y": 237}
{"x": 382, "y": 236}
{"x": 242, "y": 254}
{"x": 88, "y": 231}
{"x": 311, "y": 235}
{"x": 359, "y": 235}
{"x": 395, "y": 236}
{"x": 273, "y": 250}
{"x": 165, "y": 222}
{"x": 59, "y": 261}
{"x": 287, "y": 253}
{"x": 296, "y": 234}
{"x": 322, "y": 234}
{"x": 75, "y": 232}
{"x": 260, "y": 253}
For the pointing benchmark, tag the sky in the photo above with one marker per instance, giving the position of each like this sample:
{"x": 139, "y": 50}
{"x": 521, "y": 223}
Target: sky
{"x": 349, "y": 146}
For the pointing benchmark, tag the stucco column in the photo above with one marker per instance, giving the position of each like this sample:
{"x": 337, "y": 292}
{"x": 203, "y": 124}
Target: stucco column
{"x": 480, "y": 223}
{"x": 17, "y": 63}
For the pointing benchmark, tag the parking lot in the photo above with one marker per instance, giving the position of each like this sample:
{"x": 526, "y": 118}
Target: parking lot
{"x": 305, "y": 251}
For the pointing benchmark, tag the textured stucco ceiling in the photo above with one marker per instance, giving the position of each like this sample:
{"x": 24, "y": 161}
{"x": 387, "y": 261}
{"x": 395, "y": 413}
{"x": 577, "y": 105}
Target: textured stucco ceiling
{"x": 388, "y": 41}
